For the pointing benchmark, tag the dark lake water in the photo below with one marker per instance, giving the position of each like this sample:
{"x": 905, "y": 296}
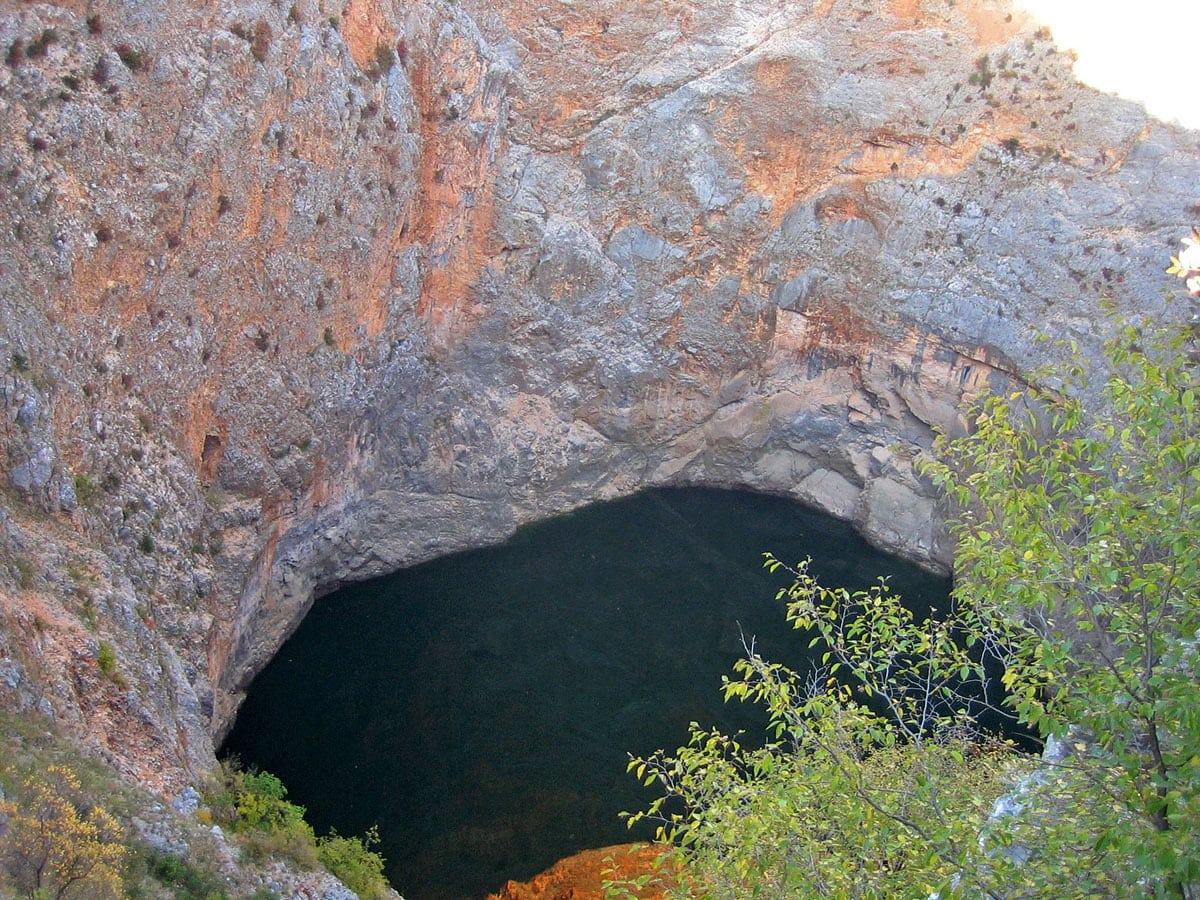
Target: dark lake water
{"x": 479, "y": 708}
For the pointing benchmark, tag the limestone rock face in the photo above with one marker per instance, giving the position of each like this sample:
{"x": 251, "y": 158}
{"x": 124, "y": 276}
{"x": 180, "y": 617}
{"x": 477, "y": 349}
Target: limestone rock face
{"x": 582, "y": 876}
{"x": 292, "y": 296}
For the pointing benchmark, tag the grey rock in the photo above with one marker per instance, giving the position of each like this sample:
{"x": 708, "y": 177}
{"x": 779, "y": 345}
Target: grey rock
{"x": 10, "y": 674}
{"x": 34, "y": 474}
{"x": 187, "y": 801}
{"x": 27, "y": 412}
{"x": 67, "y": 498}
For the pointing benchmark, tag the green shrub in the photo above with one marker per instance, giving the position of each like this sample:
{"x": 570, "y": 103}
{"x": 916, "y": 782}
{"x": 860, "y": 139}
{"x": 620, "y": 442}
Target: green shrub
{"x": 134, "y": 59}
{"x": 16, "y": 54}
{"x": 983, "y": 73}
{"x": 25, "y": 571}
{"x": 353, "y": 861}
{"x": 187, "y": 881}
{"x": 294, "y": 839}
{"x": 106, "y": 659}
{"x": 86, "y": 491}
{"x": 1079, "y": 542}
{"x": 845, "y": 800}
{"x": 87, "y": 612}
{"x": 260, "y": 802}
{"x": 382, "y": 61}
{"x": 38, "y": 46}
{"x": 254, "y": 806}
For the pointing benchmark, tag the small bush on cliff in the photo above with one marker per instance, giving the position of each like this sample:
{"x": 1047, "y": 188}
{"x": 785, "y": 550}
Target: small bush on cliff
{"x": 38, "y": 47}
{"x": 186, "y": 880}
{"x": 16, "y": 54}
{"x": 254, "y": 806}
{"x": 133, "y": 58}
{"x": 382, "y": 61}
{"x": 353, "y": 861}
{"x": 1078, "y": 567}
{"x": 86, "y": 491}
{"x": 25, "y": 571}
{"x": 106, "y": 659}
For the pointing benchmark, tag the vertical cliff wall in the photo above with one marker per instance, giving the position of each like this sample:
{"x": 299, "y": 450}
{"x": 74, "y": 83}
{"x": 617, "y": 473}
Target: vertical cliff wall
{"x": 293, "y": 295}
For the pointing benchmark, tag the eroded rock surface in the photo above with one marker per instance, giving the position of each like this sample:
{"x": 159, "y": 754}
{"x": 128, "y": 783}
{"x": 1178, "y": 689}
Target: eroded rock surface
{"x": 293, "y": 296}
{"x": 582, "y": 876}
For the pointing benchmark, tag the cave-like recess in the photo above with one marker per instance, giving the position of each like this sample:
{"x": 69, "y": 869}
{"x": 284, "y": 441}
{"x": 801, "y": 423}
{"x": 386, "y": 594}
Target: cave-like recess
{"x": 479, "y": 708}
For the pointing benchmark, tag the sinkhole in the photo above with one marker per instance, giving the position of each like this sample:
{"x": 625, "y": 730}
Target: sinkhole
{"x": 480, "y": 708}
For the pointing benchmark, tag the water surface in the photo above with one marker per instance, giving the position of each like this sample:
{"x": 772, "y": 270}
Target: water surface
{"x": 480, "y": 708}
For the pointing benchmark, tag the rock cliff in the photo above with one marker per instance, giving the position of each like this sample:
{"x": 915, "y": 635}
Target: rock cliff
{"x": 292, "y": 296}
{"x": 582, "y": 876}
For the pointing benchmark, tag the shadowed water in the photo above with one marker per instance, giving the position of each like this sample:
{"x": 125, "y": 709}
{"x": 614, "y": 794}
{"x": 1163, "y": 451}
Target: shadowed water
{"x": 479, "y": 708}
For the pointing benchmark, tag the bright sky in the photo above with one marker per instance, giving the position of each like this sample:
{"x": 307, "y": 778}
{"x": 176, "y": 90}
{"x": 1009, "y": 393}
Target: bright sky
{"x": 1143, "y": 50}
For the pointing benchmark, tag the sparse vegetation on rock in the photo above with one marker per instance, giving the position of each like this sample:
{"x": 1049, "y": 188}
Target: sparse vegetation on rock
{"x": 656, "y": 244}
{"x": 254, "y": 806}
{"x": 133, "y": 58}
